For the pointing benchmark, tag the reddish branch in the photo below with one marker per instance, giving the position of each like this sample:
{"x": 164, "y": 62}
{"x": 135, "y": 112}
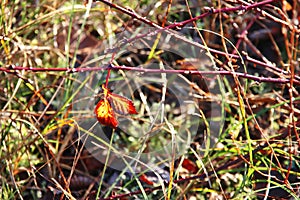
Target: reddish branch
{"x": 174, "y": 25}
{"x": 183, "y": 23}
{"x": 180, "y": 24}
{"x": 12, "y": 69}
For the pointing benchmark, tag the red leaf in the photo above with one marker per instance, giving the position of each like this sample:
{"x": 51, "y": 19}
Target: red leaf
{"x": 121, "y": 105}
{"x": 105, "y": 114}
{"x": 145, "y": 179}
{"x": 111, "y": 103}
{"x": 190, "y": 166}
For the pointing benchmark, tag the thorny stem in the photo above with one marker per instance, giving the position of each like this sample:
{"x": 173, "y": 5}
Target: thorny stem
{"x": 183, "y": 23}
{"x": 180, "y": 24}
{"x": 174, "y": 25}
{"x": 12, "y": 70}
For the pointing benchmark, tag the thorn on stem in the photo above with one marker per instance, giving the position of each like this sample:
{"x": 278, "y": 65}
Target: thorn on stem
{"x": 209, "y": 9}
{"x": 110, "y": 66}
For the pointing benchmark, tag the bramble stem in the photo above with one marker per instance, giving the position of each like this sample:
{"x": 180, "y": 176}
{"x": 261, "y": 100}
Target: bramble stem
{"x": 13, "y": 69}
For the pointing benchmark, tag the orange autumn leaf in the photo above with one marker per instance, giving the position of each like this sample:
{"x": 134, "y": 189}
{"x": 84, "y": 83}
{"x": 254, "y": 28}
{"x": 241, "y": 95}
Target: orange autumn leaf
{"x": 111, "y": 103}
{"x": 121, "y": 105}
{"x": 105, "y": 114}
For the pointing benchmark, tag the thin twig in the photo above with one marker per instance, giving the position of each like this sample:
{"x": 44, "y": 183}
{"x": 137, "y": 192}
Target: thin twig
{"x": 183, "y": 23}
{"x": 143, "y": 70}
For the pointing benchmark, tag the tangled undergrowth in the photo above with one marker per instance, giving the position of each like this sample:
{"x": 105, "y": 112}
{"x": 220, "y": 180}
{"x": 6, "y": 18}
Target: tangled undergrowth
{"x": 215, "y": 85}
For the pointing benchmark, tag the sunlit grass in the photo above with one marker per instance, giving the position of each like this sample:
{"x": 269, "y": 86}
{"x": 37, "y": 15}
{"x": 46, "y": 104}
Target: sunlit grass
{"x": 49, "y": 134}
